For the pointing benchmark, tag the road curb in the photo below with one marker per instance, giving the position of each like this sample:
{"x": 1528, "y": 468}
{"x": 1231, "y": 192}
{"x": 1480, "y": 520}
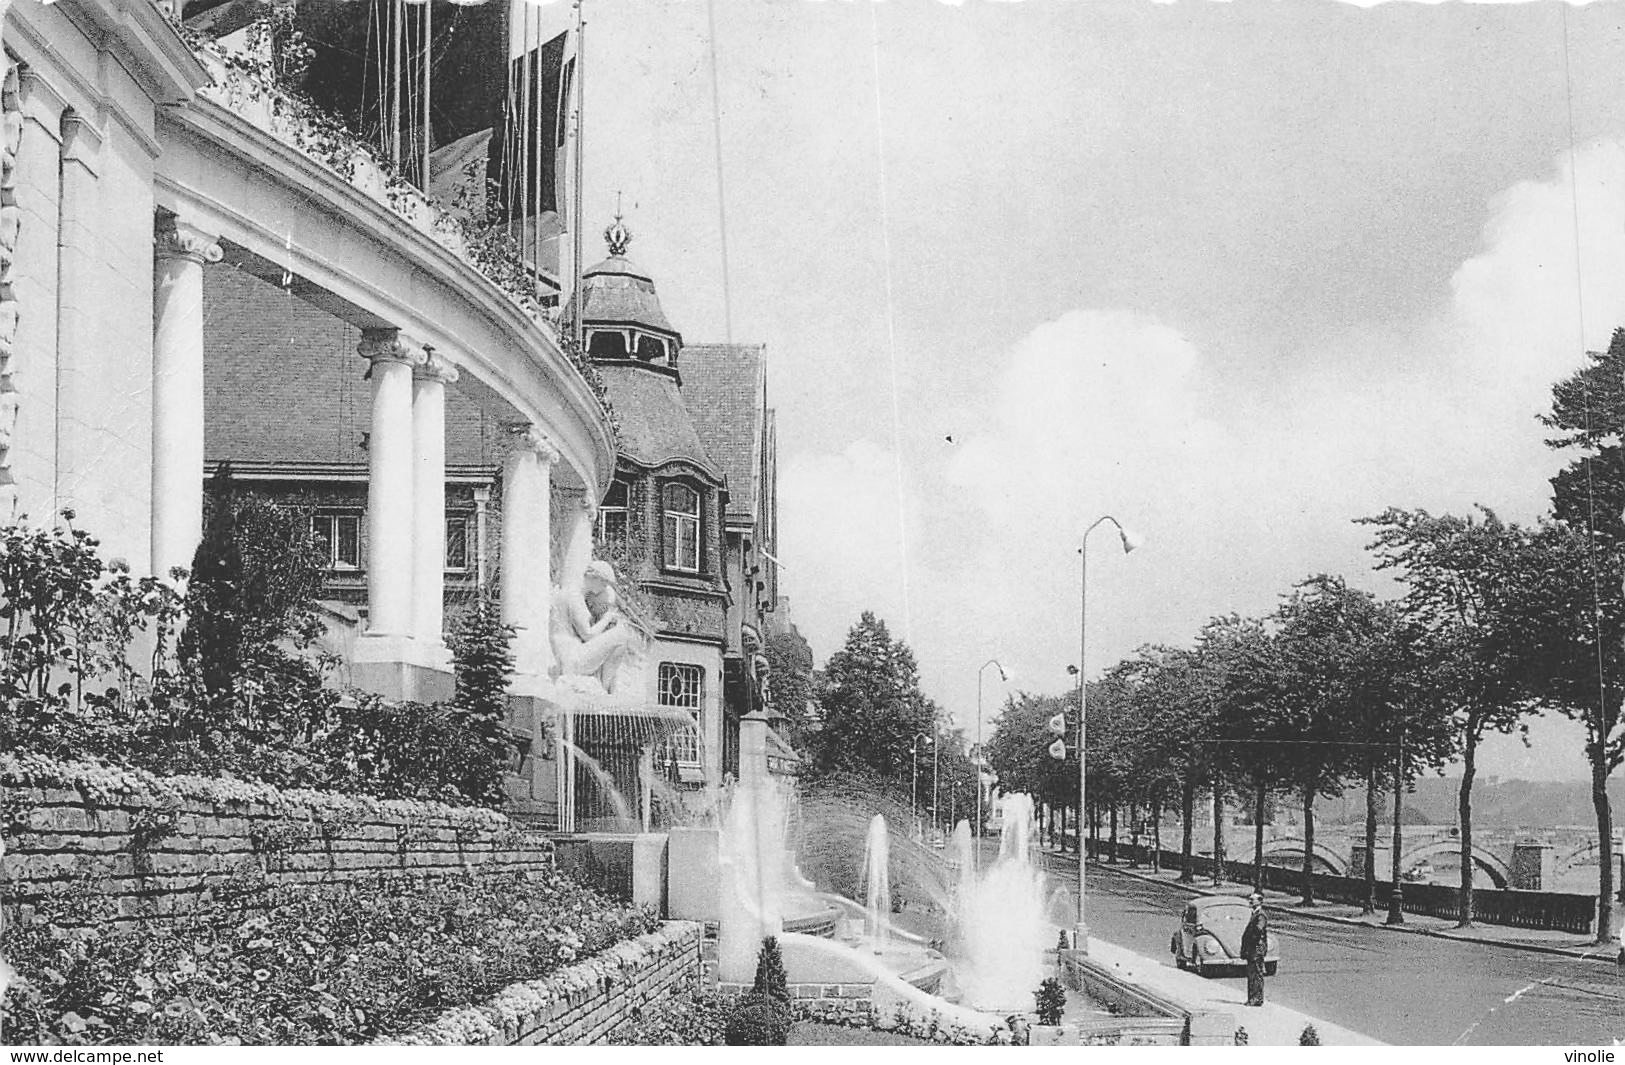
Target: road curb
{"x": 1535, "y": 948}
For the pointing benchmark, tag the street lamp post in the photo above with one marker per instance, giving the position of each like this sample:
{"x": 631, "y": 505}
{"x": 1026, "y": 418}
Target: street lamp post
{"x": 1081, "y": 933}
{"x": 914, "y": 778}
{"x": 936, "y": 757}
{"x": 1004, "y": 677}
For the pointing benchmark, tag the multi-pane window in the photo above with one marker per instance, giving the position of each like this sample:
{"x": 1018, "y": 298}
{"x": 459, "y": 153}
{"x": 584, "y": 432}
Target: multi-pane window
{"x": 612, "y": 514}
{"x": 682, "y": 687}
{"x": 338, "y": 538}
{"x": 457, "y": 543}
{"x": 682, "y": 508}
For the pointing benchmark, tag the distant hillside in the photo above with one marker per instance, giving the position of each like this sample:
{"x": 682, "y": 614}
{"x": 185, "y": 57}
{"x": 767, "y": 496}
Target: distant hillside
{"x": 1496, "y": 803}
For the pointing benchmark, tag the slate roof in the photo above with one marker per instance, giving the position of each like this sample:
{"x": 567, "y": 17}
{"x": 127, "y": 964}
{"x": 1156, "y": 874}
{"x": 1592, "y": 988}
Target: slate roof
{"x": 655, "y": 424}
{"x": 725, "y": 387}
{"x": 617, "y": 292}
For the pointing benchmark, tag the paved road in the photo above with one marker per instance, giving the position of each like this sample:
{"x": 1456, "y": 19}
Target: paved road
{"x": 1401, "y": 989}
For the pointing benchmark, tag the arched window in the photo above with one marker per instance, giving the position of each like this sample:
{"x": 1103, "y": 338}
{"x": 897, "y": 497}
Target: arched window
{"x": 682, "y": 527}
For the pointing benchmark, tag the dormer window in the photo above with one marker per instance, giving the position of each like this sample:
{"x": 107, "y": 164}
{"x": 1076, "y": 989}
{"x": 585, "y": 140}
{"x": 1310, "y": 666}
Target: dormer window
{"x": 681, "y": 550}
{"x": 607, "y": 344}
{"x": 652, "y": 349}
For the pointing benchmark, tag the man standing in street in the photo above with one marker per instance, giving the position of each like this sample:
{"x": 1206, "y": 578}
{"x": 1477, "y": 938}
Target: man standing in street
{"x": 1254, "y": 945}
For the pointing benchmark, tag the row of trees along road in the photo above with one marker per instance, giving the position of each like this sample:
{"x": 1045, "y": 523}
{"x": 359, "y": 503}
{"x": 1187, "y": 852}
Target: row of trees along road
{"x": 1496, "y": 622}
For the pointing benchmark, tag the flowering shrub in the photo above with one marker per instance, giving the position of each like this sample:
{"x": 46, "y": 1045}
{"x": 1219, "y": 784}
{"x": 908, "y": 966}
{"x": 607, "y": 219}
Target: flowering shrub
{"x": 332, "y": 964}
{"x": 223, "y": 695}
{"x": 105, "y": 783}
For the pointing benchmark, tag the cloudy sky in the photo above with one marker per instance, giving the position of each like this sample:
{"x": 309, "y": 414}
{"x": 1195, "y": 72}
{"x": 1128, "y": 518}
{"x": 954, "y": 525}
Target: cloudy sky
{"x": 1235, "y": 273}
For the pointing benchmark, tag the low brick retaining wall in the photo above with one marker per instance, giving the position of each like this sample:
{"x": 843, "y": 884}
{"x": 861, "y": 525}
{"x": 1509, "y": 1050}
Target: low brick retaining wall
{"x": 579, "y": 1005}
{"x": 161, "y": 844}
{"x": 1144, "y": 1017}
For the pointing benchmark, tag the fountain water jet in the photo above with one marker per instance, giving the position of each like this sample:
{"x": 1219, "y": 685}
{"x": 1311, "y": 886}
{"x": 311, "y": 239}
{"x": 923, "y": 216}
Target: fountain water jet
{"x": 1001, "y": 921}
{"x": 877, "y": 885}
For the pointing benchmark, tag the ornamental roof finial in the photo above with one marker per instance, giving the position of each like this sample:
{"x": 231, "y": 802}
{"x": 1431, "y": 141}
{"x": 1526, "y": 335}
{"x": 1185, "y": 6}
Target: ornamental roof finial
{"x": 617, "y": 236}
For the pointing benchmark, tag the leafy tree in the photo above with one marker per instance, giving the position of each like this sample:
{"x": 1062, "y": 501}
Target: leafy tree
{"x": 1018, "y": 748}
{"x": 871, "y": 704}
{"x": 1581, "y": 612}
{"x": 790, "y": 667}
{"x": 1224, "y": 648}
{"x": 1460, "y": 616}
{"x": 1323, "y": 626}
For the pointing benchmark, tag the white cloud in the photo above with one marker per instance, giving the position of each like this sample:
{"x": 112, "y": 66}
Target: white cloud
{"x": 1114, "y": 411}
{"x": 840, "y": 539}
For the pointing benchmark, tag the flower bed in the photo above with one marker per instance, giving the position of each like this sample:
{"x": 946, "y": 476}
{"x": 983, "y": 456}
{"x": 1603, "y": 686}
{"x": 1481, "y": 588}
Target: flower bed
{"x": 596, "y": 1000}
{"x": 102, "y": 782}
{"x": 330, "y": 964}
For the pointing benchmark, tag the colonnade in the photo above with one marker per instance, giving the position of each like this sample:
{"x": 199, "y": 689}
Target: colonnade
{"x": 406, "y": 478}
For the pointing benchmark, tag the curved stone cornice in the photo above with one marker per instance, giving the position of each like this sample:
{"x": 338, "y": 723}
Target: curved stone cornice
{"x": 376, "y": 270}
{"x": 435, "y": 368}
{"x": 181, "y": 241}
{"x": 386, "y": 345}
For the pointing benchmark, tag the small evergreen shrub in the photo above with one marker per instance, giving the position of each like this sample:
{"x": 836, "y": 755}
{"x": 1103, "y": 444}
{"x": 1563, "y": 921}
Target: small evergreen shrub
{"x": 1309, "y": 1037}
{"x": 771, "y": 980}
{"x": 1050, "y": 1001}
{"x": 483, "y": 662}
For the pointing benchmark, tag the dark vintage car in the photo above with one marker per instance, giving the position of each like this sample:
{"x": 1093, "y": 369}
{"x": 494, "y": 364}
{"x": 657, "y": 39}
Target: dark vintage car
{"x": 1209, "y": 936}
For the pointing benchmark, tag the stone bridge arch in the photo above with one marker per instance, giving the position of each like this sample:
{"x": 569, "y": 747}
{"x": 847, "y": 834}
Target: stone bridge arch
{"x": 1493, "y": 866}
{"x": 1325, "y": 859}
{"x": 1585, "y": 854}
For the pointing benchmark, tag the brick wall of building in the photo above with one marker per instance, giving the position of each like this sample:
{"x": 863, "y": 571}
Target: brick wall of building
{"x": 283, "y": 382}
{"x": 160, "y": 845}
{"x": 580, "y": 1005}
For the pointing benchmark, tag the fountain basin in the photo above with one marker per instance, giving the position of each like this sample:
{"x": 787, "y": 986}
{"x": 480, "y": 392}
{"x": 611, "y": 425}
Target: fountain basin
{"x": 859, "y": 961}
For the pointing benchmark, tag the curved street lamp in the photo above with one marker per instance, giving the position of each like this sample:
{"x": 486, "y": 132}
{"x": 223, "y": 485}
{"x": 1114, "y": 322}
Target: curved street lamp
{"x": 976, "y": 851}
{"x": 1130, "y": 542}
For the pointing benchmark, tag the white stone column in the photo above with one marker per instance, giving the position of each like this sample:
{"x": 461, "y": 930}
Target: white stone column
{"x": 177, "y": 393}
{"x": 526, "y": 539}
{"x": 389, "y": 482}
{"x": 429, "y": 381}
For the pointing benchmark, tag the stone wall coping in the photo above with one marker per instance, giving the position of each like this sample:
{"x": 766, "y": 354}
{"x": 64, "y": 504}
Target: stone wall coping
{"x": 106, "y": 785}
{"x": 505, "y": 1016}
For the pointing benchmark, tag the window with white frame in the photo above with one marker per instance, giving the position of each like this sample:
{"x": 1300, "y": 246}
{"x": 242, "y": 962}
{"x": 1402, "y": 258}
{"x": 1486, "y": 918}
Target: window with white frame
{"x": 612, "y": 514}
{"x": 682, "y": 527}
{"x": 459, "y": 537}
{"x": 338, "y": 538}
{"x": 682, "y": 687}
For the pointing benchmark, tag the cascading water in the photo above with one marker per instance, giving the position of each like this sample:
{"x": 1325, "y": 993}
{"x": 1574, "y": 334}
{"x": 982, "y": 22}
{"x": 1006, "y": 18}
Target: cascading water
{"x": 1001, "y": 918}
{"x": 877, "y": 885}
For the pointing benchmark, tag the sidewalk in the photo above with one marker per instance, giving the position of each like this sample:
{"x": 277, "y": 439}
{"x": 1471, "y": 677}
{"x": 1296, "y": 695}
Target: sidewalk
{"x": 1546, "y": 942}
{"x": 1267, "y": 1025}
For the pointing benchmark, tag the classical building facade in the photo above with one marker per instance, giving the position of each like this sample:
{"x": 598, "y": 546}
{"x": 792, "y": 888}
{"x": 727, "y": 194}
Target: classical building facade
{"x": 183, "y": 243}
